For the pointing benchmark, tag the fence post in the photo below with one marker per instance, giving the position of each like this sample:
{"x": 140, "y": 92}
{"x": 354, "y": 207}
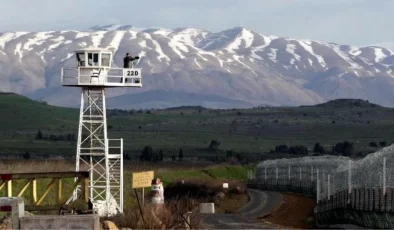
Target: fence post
{"x": 328, "y": 186}
{"x": 265, "y": 173}
{"x": 300, "y": 172}
{"x": 384, "y": 176}
{"x": 317, "y": 190}
{"x": 349, "y": 179}
{"x": 276, "y": 173}
{"x": 349, "y": 182}
{"x": 312, "y": 173}
{"x": 289, "y": 172}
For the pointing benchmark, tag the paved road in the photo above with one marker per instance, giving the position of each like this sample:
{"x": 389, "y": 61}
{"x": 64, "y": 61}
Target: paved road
{"x": 260, "y": 203}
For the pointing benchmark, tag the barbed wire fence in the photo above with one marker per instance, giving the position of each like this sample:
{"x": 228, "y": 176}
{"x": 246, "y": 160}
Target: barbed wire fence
{"x": 335, "y": 181}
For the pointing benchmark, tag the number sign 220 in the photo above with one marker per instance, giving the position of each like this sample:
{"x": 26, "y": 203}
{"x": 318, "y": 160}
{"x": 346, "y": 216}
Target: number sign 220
{"x": 132, "y": 73}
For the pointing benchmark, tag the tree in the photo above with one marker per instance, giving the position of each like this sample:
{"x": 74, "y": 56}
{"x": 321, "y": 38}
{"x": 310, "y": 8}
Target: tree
{"x": 180, "y": 157}
{"x": 39, "y": 135}
{"x": 146, "y": 154}
{"x": 126, "y": 156}
{"x": 173, "y": 157}
{"x": 239, "y": 157}
{"x": 229, "y": 153}
{"x": 383, "y": 143}
{"x": 161, "y": 155}
{"x": 345, "y": 148}
{"x": 26, "y": 155}
{"x": 298, "y": 150}
{"x": 281, "y": 149}
{"x": 319, "y": 148}
{"x": 214, "y": 145}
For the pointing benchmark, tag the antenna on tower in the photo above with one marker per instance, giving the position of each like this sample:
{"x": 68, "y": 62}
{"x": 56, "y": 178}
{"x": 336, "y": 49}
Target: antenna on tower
{"x": 103, "y": 157}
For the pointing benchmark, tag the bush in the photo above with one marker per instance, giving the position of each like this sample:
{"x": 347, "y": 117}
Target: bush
{"x": 383, "y": 143}
{"x": 168, "y": 216}
{"x": 214, "y": 145}
{"x": 373, "y": 144}
{"x": 319, "y": 148}
{"x": 345, "y": 148}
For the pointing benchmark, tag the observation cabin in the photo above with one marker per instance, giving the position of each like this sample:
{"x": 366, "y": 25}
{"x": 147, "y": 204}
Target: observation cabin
{"x": 93, "y": 69}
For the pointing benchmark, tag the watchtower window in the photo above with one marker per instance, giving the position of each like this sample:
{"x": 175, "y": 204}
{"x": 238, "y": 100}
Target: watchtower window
{"x": 105, "y": 58}
{"x": 93, "y": 59}
{"x": 81, "y": 59}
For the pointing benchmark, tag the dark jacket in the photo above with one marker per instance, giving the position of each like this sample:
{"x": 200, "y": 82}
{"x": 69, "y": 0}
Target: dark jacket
{"x": 127, "y": 60}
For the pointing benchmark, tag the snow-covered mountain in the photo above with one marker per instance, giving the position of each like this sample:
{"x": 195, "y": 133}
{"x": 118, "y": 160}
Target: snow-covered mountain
{"x": 236, "y": 65}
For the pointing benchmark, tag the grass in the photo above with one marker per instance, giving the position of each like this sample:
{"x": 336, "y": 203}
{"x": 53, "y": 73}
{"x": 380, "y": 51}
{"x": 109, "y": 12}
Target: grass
{"x": 167, "y": 172}
{"x": 249, "y": 131}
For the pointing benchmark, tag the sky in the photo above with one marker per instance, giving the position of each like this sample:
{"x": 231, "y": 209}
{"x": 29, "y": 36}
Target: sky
{"x": 355, "y": 22}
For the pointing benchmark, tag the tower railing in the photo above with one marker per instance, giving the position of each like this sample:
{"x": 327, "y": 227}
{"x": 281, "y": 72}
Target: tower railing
{"x": 107, "y": 77}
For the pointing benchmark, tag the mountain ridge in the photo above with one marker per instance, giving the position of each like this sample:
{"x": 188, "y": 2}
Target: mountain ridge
{"x": 237, "y": 64}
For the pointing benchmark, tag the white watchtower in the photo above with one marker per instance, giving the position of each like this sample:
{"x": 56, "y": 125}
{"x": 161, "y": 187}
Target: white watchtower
{"x": 103, "y": 157}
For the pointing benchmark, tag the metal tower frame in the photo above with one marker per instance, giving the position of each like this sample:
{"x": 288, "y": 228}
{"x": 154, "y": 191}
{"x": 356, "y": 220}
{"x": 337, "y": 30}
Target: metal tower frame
{"x": 105, "y": 168}
{"x": 102, "y": 157}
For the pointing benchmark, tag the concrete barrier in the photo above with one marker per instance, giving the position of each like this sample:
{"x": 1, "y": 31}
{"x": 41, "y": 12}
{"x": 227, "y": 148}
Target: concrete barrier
{"x": 14, "y": 205}
{"x": 60, "y": 222}
{"x": 207, "y": 208}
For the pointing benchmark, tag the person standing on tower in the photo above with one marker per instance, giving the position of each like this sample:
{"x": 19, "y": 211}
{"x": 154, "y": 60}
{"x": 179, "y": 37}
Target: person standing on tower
{"x": 126, "y": 62}
{"x": 128, "y": 59}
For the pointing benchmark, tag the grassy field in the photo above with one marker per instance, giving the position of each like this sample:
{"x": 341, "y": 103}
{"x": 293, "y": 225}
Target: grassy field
{"x": 251, "y": 131}
{"x": 167, "y": 172}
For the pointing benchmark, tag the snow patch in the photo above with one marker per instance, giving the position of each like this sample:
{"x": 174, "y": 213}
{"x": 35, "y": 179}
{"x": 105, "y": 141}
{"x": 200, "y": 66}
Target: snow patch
{"x": 214, "y": 55}
{"x": 174, "y": 45}
{"x": 97, "y": 37}
{"x": 344, "y": 56}
{"x": 7, "y": 37}
{"x": 355, "y": 51}
{"x": 307, "y": 45}
{"x": 186, "y": 36}
{"x": 69, "y": 55}
{"x": 290, "y": 48}
{"x": 18, "y": 50}
{"x": 203, "y": 58}
{"x": 58, "y": 41}
{"x": 195, "y": 61}
{"x": 142, "y": 44}
{"x": 81, "y": 35}
{"x": 163, "y": 32}
{"x": 133, "y": 34}
{"x": 142, "y": 54}
{"x": 245, "y": 36}
{"x": 236, "y": 57}
{"x": 158, "y": 48}
{"x": 117, "y": 39}
{"x": 39, "y": 39}
{"x": 379, "y": 55}
{"x": 272, "y": 55}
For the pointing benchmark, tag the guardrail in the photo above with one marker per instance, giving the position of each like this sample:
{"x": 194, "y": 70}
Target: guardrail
{"x": 77, "y": 76}
{"x": 55, "y": 188}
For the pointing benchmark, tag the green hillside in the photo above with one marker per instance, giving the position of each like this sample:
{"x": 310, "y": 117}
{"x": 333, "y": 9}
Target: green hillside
{"x": 251, "y": 131}
{"x": 20, "y": 113}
